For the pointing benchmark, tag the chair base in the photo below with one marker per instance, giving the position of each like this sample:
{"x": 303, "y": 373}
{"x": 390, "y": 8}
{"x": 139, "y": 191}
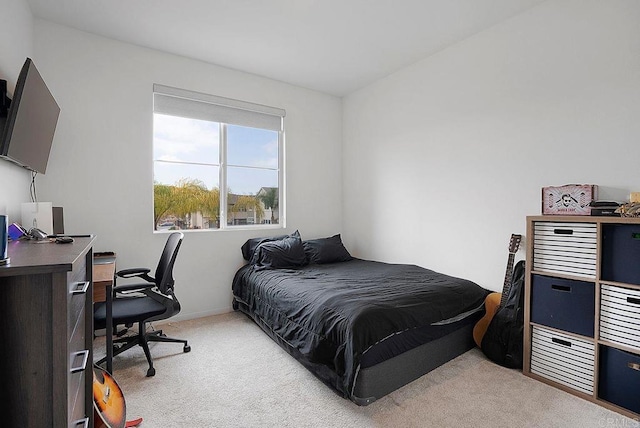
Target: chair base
{"x": 142, "y": 338}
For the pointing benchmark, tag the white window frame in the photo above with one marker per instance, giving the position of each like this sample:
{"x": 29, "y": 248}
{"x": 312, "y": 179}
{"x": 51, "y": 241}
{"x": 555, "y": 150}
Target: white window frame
{"x": 226, "y": 111}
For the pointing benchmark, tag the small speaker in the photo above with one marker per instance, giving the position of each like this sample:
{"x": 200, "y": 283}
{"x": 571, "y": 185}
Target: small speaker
{"x": 58, "y": 221}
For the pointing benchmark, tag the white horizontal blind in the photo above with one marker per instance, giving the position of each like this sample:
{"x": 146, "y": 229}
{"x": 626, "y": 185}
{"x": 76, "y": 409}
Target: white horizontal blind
{"x": 195, "y": 105}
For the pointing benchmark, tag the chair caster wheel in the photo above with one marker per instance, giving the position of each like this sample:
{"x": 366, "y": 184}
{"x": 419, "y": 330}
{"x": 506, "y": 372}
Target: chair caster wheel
{"x": 186, "y": 348}
{"x": 151, "y": 372}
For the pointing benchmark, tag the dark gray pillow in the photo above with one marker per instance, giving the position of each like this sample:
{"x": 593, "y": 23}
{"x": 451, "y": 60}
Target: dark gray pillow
{"x": 249, "y": 247}
{"x": 326, "y": 250}
{"x": 284, "y": 253}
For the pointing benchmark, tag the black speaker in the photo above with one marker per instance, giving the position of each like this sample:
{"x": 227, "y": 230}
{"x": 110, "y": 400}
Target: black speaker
{"x": 58, "y": 221}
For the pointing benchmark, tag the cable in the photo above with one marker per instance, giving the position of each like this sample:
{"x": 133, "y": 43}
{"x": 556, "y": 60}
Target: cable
{"x": 32, "y": 187}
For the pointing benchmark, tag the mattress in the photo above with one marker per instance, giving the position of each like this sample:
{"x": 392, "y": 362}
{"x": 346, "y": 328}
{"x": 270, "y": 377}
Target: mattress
{"x": 340, "y": 318}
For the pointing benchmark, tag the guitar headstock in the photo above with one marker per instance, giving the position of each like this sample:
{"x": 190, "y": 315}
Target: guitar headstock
{"x": 514, "y": 243}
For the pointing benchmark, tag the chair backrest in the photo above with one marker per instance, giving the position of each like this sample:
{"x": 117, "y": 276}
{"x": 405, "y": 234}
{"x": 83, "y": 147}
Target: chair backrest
{"x": 164, "y": 271}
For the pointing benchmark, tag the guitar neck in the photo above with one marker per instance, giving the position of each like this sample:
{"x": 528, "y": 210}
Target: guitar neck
{"x": 507, "y": 280}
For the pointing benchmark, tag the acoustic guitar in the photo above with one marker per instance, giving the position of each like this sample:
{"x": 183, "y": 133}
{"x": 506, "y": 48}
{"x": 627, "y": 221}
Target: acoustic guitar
{"x": 494, "y": 301}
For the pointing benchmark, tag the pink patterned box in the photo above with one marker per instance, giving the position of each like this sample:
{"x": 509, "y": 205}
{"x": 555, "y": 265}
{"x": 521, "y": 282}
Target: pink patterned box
{"x": 570, "y": 199}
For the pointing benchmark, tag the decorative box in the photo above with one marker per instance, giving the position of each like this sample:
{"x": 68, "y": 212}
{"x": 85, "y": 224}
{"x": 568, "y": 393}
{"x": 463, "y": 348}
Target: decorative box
{"x": 570, "y": 199}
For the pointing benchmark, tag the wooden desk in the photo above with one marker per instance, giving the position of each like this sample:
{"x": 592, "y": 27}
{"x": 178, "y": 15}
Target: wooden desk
{"x": 104, "y": 269}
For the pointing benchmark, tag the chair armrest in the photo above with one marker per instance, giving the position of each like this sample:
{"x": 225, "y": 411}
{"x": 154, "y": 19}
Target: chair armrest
{"x": 132, "y": 287}
{"x": 136, "y": 272}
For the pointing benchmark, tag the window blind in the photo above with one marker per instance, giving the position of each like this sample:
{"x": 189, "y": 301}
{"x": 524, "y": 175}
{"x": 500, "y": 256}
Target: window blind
{"x": 196, "y": 105}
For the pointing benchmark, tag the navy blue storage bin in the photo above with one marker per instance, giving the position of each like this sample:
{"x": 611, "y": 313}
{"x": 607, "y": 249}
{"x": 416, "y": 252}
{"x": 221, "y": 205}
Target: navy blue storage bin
{"x": 620, "y": 378}
{"x": 621, "y": 253}
{"x": 564, "y": 304}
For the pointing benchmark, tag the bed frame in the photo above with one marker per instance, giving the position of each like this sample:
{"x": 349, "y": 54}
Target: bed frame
{"x": 379, "y": 380}
{"x": 374, "y": 382}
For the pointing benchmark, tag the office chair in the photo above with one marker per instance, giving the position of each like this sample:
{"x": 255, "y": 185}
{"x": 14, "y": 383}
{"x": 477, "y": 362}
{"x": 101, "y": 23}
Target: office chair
{"x": 157, "y": 302}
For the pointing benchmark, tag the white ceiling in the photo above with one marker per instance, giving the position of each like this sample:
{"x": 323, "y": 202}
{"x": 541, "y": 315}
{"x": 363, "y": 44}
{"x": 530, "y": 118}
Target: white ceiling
{"x": 333, "y": 46}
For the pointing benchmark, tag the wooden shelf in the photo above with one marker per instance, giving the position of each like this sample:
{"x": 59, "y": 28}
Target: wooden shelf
{"x": 563, "y": 251}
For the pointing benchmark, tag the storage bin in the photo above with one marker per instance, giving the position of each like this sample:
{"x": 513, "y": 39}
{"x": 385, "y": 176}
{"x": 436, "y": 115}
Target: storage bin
{"x": 565, "y": 248}
{"x": 619, "y": 378}
{"x": 563, "y": 359}
{"x": 621, "y": 253}
{"x": 620, "y": 315}
{"x": 564, "y": 304}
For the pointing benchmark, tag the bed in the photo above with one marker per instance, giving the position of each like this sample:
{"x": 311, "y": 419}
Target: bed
{"x": 364, "y": 328}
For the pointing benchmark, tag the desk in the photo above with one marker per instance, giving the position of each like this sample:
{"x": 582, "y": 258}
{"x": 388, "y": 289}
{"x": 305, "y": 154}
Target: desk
{"x": 104, "y": 269}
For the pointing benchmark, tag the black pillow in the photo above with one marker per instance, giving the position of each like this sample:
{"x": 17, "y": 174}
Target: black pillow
{"x": 326, "y": 250}
{"x": 284, "y": 253}
{"x": 249, "y": 247}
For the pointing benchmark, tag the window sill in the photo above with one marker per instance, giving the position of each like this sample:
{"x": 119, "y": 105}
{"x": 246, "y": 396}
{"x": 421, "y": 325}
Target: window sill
{"x": 226, "y": 229}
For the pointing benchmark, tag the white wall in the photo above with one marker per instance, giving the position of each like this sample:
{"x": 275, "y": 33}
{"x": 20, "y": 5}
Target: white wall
{"x": 101, "y": 170}
{"x": 441, "y": 161}
{"x": 16, "y": 44}
{"x": 444, "y": 159}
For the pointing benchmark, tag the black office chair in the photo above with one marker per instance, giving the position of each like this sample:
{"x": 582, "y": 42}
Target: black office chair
{"x": 158, "y": 303}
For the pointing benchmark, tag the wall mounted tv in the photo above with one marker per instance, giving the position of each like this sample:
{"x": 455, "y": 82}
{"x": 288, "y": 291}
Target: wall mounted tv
{"x": 26, "y": 133}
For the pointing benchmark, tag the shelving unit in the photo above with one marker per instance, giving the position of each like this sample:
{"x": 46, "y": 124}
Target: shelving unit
{"x": 582, "y": 308}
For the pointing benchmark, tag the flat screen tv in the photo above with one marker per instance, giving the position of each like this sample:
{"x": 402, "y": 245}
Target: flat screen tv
{"x": 27, "y": 132}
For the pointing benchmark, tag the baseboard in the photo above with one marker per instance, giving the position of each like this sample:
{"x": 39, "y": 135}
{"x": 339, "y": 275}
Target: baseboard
{"x": 182, "y": 316}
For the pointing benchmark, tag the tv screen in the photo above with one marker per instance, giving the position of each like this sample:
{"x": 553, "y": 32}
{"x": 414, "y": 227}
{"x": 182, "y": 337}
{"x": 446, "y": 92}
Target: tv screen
{"x": 31, "y": 121}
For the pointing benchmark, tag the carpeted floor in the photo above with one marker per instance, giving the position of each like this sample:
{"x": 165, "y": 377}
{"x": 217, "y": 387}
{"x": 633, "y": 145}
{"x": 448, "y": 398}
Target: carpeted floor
{"x": 235, "y": 376}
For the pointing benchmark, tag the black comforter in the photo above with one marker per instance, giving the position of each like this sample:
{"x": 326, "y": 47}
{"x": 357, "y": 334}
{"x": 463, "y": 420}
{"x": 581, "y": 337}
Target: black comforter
{"x": 331, "y": 314}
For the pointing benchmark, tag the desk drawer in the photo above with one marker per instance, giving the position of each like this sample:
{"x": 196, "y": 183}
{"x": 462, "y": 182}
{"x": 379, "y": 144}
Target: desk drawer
{"x": 77, "y": 338}
{"x": 565, "y": 248}
{"x": 76, "y": 396}
{"x": 77, "y": 301}
{"x": 620, "y": 315}
{"x": 563, "y": 359}
{"x": 77, "y": 288}
{"x": 80, "y": 365}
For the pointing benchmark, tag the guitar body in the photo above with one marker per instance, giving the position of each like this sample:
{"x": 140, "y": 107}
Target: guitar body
{"x": 494, "y": 301}
{"x": 109, "y": 409}
{"x": 491, "y": 305}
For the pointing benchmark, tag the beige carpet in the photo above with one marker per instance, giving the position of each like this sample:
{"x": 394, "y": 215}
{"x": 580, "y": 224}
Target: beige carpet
{"x": 235, "y": 376}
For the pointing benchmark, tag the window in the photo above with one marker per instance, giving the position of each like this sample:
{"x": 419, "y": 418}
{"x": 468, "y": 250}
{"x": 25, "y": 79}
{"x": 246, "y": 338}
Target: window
{"x": 217, "y": 162}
